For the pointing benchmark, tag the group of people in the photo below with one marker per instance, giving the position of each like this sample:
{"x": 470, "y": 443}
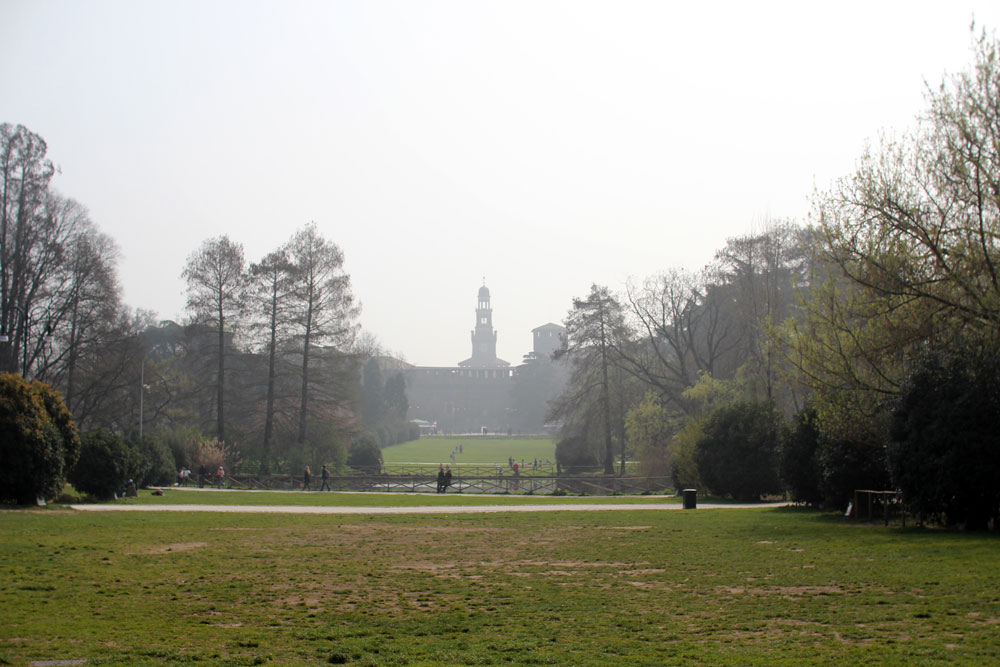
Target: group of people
{"x": 184, "y": 476}
{"x": 307, "y": 478}
{"x": 443, "y": 478}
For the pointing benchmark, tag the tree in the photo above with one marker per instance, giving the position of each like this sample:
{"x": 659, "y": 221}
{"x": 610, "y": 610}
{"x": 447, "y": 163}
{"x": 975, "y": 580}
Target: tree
{"x": 943, "y": 451}
{"x": 649, "y": 428}
{"x": 25, "y": 173}
{"x": 40, "y": 440}
{"x": 595, "y": 332}
{"x": 272, "y": 282}
{"x": 216, "y": 280}
{"x": 688, "y": 328}
{"x": 737, "y": 454}
{"x": 909, "y": 250}
{"x": 325, "y": 315}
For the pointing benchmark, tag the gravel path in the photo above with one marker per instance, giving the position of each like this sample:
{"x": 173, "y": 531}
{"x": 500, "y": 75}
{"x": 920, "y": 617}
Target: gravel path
{"x": 448, "y": 509}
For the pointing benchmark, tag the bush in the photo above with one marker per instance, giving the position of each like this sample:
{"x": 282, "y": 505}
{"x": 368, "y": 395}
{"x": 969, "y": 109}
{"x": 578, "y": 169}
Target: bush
{"x": 156, "y": 463}
{"x": 799, "y": 466}
{"x": 574, "y": 454}
{"x": 39, "y": 440}
{"x": 943, "y": 452}
{"x": 850, "y": 463}
{"x": 737, "y": 454}
{"x": 106, "y": 463}
{"x": 365, "y": 454}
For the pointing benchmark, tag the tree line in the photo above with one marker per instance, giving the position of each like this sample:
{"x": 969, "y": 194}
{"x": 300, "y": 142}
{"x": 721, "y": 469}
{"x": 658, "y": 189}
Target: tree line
{"x": 859, "y": 351}
{"x": 265, "y": 373}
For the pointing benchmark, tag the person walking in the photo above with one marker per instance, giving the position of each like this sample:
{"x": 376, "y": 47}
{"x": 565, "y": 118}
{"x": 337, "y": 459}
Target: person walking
{"x": 306, "y": 476}
{"x": 220, "y": 475}
{"x": 325, "y": 475}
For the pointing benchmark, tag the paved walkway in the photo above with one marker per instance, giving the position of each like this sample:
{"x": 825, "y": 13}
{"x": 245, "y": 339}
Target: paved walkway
{"x": 440, "y": 509}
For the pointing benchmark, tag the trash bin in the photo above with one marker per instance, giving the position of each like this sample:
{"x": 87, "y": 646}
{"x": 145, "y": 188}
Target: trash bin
{"x": 690, "y": 499}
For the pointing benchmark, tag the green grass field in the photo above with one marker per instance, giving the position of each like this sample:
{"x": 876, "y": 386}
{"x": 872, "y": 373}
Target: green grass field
{"x": 731, "y": 586}
{"x": 475, "y": 450}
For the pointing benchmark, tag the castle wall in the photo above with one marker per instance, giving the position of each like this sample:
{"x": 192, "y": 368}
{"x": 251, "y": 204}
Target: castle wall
{"x": 461, "y": 400}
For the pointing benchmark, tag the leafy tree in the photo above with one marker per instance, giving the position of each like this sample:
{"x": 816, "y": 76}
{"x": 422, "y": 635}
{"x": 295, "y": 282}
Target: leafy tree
{"x": 106, "y": 463}
{"x": 944, "y": 453}
{"x": 737, "y": 454}
{"x": 40, "y": 440}
{"x": 907, "y": 257}
{"x": 216, "y": 282}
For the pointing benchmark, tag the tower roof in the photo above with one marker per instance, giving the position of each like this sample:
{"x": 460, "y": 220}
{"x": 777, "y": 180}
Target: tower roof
{"x": 484, "y": 292}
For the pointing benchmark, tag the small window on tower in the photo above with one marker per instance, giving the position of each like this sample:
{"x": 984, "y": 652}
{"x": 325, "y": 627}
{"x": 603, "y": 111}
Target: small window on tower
{"x": 482, "y": 320}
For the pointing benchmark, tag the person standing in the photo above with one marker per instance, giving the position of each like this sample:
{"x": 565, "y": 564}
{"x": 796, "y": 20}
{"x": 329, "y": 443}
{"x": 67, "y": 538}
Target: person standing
{"x": 325, "y": 474}
{"x": 440, "y": 478}
{"x": 447, "y": 480}
{"x": 220, "y": 475}
{"x": 306, "y": 476}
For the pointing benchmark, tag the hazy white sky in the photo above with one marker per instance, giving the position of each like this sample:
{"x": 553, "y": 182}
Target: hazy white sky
{"x": 542, "y": 145}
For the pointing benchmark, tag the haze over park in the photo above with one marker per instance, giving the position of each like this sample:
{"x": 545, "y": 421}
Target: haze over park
{"x": 543, "y": 146}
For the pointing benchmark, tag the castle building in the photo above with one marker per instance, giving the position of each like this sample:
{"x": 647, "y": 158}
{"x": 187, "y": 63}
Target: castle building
{"x": 479, "y": 393}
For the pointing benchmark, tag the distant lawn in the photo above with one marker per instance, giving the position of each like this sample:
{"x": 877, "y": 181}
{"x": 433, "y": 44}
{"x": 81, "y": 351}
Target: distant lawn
{"x": 487, "y": 450}
{"x": 699, "y": 587}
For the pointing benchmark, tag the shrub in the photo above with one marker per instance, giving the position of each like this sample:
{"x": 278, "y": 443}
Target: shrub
{"x": 737, "y": 454}
{"x": 156, "y": 463}
{"x": 798, "y": 463}
{"x": 850, "y": 463}
{"x": 39, "y": 440}
{"x": 106, "y": 464}
{"x": 575, "y": 454}
{"x": 365, "y": 454}
{"x": 943, "y": 452}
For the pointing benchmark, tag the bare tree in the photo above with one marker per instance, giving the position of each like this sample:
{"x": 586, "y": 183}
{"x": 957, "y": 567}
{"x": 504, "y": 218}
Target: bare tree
{"x": 325, "y": 312}
{"x": 272, "y": 282}
{"x": 216, "y": 280}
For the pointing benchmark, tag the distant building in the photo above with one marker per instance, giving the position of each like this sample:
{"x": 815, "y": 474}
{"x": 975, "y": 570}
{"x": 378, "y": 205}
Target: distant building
{"x": 547, "y": 339}
{"x": 479, "y": 393}
{"x": 484, "y": 337}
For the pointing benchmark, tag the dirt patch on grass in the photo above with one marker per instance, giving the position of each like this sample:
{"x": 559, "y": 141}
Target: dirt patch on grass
{"x": 791, "y": 591}
{"x": 175, "y": 547}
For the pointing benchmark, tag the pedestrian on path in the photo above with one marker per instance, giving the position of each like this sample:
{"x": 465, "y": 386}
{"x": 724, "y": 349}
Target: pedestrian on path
{"x": 325, "y": 474}
{"x": 306, "y": 476}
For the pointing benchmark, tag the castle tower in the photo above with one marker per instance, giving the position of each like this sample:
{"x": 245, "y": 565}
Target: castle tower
{"x": 484, "y": 336}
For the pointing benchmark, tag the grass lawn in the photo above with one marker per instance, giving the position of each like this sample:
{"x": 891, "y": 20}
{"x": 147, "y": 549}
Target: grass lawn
{"x": 756, "y": 586}
{"x": 475, "y": 450}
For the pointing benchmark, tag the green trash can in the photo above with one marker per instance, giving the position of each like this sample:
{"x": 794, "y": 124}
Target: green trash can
{"x": 690, "y": 499}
